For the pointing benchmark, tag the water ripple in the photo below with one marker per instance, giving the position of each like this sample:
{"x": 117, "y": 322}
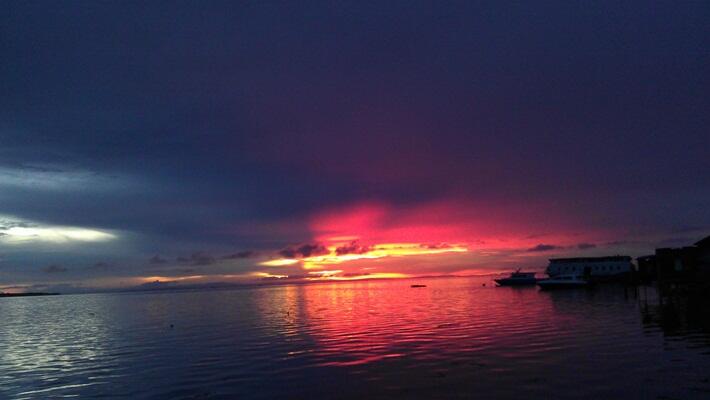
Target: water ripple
{"x": 454, "y": 338}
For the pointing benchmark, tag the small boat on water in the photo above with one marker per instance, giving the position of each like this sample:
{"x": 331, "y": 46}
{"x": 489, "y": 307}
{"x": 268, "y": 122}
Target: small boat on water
{"x": 517, "y": 278}
{"x": 563, "y": 282}
{"x": 416, "y": 286}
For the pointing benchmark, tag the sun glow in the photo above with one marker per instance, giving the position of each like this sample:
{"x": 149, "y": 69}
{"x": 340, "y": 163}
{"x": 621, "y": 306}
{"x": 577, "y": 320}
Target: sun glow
{"x": 374, "y": 275}
{"x": 269, "y": 276}
{"x": 279, "y": 262}
{"x": 326, "y": 273}
{"x": 370, "y": 252}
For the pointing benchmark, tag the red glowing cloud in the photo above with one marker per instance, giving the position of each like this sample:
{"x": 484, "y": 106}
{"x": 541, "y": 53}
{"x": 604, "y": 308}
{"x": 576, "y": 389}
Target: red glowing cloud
{"x": 481, "y": 225}
{"x": 449, "y": 236}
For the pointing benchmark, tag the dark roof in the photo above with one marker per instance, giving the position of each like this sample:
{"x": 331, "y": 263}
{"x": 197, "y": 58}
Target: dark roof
{"x": 591, "y": 259}
{"x": 703, "y": 242}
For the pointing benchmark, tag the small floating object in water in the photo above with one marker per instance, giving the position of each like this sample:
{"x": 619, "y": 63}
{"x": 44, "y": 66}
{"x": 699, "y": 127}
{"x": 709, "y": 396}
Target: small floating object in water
{"x": 484, "y": 284}
{"x": 418, "y": 286}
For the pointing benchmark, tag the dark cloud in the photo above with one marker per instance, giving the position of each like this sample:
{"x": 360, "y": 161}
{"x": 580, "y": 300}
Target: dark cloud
{"x": 584, "y": 246}
{"x": 354, "y": 274}
{"x": 623, "y": 243}
{"x": 240, "y": 255}
{"x": 306, "y": 250}
{"x": 352, "y": 248}
{"x": 174, "y": 272}
{"x": 199, "y": 258}
{"x": 536, "y": 235}
{"x": 677, "y": 241}
{"x": 101, "y": 265}
{"x": 185, "y": 270}
{"x": 157, "y": 259}
{"x": 275, "y": 278}
{"x": 54, "y": 269}
{"x": 690, "y": 229}
{"x": 290, "y": 277}
{"x": 544, "y": 247}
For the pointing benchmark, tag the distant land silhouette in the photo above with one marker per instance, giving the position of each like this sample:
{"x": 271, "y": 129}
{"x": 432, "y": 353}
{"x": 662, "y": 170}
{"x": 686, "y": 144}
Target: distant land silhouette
{"x": 27, "y": 294}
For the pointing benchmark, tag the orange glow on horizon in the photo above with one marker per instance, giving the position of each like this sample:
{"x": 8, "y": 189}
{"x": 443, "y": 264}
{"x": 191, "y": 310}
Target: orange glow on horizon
{"x": 279, "y": 262}
{"x": 325, "y": 273}
{"x": 478, "y": 225}
{"x": 374, "y": 275}
{"x": 371, "y": 252}
{"x": 268, "y": 275}
{"x": 448, "y": 236}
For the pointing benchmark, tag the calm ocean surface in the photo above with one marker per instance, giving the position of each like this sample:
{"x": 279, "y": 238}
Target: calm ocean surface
{"x": 452, "y": 339}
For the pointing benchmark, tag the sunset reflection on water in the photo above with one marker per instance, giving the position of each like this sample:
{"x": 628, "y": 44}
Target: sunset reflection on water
{"x": 362, "y": 322}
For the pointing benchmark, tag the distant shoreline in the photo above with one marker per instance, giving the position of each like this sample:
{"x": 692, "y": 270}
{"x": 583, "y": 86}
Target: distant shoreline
{"x": 27, "y": 294}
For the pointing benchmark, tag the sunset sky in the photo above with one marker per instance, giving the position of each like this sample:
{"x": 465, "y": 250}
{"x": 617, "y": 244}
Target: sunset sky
{"x": 195, "y": 142}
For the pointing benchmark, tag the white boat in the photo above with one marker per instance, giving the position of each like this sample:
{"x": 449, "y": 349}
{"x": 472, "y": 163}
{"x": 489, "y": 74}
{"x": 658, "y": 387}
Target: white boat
{"x": 517, "y": 278}
{"x": 563, "y": 281}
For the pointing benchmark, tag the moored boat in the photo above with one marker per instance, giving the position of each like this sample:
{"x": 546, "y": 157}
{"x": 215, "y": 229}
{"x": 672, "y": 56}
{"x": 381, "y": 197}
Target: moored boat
{"x": 517, "y": 278}
{"x": 563, "y": 282}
